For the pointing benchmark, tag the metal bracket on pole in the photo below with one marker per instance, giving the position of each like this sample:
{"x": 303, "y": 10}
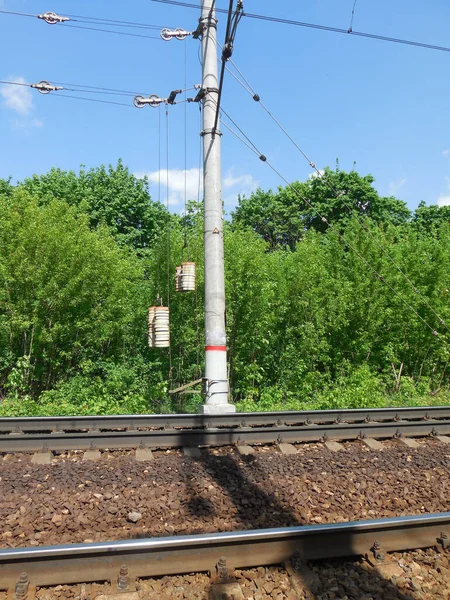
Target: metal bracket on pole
{"x": 52, "y": 18}
{"x": 44, "y": 87}
{"x": 202, "y": 91}
{"x": 198, "y": 32}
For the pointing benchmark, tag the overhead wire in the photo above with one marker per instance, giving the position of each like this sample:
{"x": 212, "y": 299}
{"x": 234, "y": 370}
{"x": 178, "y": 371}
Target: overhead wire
{"x": 90, "y": 19}
{"x": 127, "y": 33}
{"x": 118, "y": 22}
{"x": 247, "y": 142}
{"x": 80, "y": 87}
{"x": 281, "y": 20}
{"x": 185, "y": 150}
{"x": 91, "y": 100}
{"x": 197, "y": 321}
{"x": 316, "y": 26}
{"x": 248, "y": 87}
{"x": 350, "y": 29}
{"x": 222, "y": 70}
{"x": 97, "y": 21}
{"x": 168, "y": 233}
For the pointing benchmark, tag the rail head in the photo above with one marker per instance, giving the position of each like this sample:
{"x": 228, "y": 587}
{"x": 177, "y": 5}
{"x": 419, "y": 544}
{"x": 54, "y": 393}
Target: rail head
{"x": 77, "y": 563}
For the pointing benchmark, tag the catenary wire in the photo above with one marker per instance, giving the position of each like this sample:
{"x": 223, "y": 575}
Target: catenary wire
{"x": 94, "y": 87}
{"x": 58, "y": 95}
{"x": 350, "y": 29}
{"x": 78, "y": 88}
{"x": 93, "y": 20}
{"x": 169, "y": 231}
{"x": 118, "y": 22}
{"x": 317, "y": 26}
{"x": 222, "y": 70}
{"x": 250, "y": 16}
{"x": 149, "y": 37}
{"x": 255, "y": 150}
{"x": 247, "y": 86}
{"x": 69, "y": 25}
{"x": 75, "y": 88}
{"x": 76, "y": 85}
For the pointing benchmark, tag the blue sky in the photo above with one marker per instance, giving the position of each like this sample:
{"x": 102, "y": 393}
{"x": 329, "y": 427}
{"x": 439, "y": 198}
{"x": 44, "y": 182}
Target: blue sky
{"x": 381, "y": 105}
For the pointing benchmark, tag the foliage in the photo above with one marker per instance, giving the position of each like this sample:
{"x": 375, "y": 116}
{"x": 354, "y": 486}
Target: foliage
{"x": 309, "y": 323}
{"x": 336, "y": 197}
{"x": 67, "y": 294}
{"x": 112, "y": 196}
{"x": 431, "y": 218}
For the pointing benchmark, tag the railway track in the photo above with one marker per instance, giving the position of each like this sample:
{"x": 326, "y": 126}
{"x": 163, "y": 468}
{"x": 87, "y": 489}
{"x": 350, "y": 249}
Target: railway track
{"x": 35, "y": 434}
{"x": 71, "y": 564}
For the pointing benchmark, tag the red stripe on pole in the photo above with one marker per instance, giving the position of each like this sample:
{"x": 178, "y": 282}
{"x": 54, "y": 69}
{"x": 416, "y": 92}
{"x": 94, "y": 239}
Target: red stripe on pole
{"x": 220, "y": 348}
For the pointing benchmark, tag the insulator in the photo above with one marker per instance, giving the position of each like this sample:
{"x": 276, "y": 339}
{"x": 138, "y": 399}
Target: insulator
{"x": 161, "y": 328}
{"x": 188, "y": 277}
{"x": 138, "y": 101}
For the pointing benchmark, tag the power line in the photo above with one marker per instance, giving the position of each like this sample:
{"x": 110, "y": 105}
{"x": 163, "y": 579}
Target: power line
{"x": 127, "y": 33}
{"x": 317, "y": 26}
{"x": 227, "y": 50}
{"x": 91, "y": 100}
{"x": 263, "y": 158}
{"x": 350, "y": 29}
{"x": 80, "y": 88}
{"x": 94, "y": 20}
{"x": 246, "y": 85}
{"x": 98, "y": 21}
{"x": 70, "y": 96}
{"x": 119, "y": 22}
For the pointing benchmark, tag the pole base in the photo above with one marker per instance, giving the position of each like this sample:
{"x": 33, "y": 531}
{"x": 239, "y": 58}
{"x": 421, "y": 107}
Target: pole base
{"x": 216, "y": 409}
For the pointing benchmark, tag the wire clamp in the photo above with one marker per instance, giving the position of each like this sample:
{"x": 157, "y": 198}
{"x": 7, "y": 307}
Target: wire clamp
{"x": 44, "y": 87}
{"x": 179, "y": 34}
{"x": 210, "y": 132}
{"x": 52, "y": 18}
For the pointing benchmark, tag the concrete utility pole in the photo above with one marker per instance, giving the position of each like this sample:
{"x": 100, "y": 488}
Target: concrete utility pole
{"x": 216, "y": 372}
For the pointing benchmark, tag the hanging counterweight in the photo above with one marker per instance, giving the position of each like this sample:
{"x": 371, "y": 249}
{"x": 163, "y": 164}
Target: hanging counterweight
{"x": 185, "y": 277}
{"x": 158, "y": 327}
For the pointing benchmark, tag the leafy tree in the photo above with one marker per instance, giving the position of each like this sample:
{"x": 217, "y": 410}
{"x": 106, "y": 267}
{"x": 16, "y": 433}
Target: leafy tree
{"x": 67, "y": 294}
{"x": 6, "y": 188}
{"x": 431, "y": 218}
{"x": 282, "y": 218}
{"x": 113, "y": 196}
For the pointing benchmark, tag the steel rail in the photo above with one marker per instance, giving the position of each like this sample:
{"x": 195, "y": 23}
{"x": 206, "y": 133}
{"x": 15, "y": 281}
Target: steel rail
{"x": 76, "y": 563}
{"x": 176, "y": 438}
{"x": 190, "y": 421}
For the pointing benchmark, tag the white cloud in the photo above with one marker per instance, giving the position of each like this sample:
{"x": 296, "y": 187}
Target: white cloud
{"x": 246, "y": 181}
{"x": 27, "y": 124}
{"x": 394, "y": 186}
{"x": 315, "y": 174}
{"x": 446, "y": 153}
{"x": 17, "y": 97}
{"x": 178, "y": 178}
{"x": 237, "y": 185}
{"x": 444, "y": 201}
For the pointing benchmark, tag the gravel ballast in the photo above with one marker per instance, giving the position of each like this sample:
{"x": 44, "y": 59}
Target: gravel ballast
{"x": 119, "y": 498}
